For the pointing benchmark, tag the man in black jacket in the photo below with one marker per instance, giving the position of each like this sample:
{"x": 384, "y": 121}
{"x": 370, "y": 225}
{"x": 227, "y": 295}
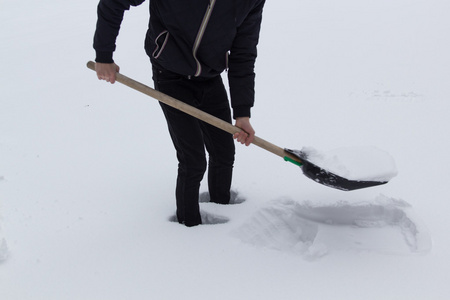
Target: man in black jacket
{"x": 190, "y": 43}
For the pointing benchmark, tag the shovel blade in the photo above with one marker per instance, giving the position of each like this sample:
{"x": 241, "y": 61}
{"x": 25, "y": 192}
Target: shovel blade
{"x": 328, "y": 178}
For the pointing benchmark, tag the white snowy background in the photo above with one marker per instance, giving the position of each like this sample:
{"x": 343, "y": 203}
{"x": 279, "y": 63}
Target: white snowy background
{"x": 87, "y": 169}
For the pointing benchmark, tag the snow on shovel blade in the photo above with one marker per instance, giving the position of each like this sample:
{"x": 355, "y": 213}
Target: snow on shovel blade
{"x": 328, "y": 178}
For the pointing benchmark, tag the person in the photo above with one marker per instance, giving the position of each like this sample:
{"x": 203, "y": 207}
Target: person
{"x": 190, "y": 43}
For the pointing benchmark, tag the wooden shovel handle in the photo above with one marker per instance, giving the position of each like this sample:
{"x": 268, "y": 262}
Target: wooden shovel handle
{"x": 201, "y": 115}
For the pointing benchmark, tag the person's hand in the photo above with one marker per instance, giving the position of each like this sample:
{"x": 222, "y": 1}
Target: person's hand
{"x": 247, "y": 134}
{"x": 107, "y": 71}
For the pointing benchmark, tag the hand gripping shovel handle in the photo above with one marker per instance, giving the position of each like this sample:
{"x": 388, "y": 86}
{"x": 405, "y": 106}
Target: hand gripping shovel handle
{"x": 201, "y": 115}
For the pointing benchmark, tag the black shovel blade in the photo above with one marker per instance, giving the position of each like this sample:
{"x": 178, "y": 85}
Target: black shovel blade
{"x": 328, "y": 178}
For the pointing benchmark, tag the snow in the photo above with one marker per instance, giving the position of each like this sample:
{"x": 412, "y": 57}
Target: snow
{"x": 364, "y": 163}
{"x": 87, "y": 169}
{"x": 384, "y": 225}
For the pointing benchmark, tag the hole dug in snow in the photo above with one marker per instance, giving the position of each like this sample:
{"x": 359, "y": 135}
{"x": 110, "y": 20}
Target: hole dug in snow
{"x": 207, "y": 218}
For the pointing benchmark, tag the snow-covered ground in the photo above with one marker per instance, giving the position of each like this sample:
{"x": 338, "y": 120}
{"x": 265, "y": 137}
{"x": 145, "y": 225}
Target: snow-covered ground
{"x": 87, "y": 169}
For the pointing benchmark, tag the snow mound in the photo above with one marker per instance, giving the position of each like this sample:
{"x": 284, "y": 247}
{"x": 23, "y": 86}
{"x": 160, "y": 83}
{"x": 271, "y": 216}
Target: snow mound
{"x": 363, "y": 163}
{"x": 383, "y": 225}
{"x": 3, "y": 248}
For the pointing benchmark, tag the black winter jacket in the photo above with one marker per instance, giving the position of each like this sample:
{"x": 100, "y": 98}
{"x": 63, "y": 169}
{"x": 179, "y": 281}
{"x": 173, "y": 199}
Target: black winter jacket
{"x": 198, "y": 38}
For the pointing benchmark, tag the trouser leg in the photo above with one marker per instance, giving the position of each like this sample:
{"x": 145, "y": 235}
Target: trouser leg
{"x": 219, "y": 144}
{"x": 190, "y": 136}
{"x": 187, "y": 139}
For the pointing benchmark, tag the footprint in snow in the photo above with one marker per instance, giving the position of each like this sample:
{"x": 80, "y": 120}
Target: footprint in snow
{"x": 235, "y": 197}
{"x": 207, "y": 218}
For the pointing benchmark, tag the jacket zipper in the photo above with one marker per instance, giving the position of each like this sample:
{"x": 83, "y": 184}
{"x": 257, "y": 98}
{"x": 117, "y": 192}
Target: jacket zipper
{"x": 200, "y": 34}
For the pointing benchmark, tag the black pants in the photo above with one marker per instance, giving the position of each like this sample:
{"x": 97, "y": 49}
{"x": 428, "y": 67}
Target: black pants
{"x": 190, "y": 136}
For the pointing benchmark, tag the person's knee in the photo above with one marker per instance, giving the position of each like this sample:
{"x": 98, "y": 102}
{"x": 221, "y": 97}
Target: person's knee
{"x": 193, "y": 170}
{"x": 223, "y": 158}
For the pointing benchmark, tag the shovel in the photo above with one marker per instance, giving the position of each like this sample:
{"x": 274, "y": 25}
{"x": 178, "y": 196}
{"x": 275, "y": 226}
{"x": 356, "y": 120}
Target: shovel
{"x": 296, "y": 157}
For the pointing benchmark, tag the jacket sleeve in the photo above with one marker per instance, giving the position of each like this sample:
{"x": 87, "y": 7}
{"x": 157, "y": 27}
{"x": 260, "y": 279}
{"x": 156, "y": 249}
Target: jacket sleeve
{"x": 241, "y": 75}
{"x": 109, "y": 18}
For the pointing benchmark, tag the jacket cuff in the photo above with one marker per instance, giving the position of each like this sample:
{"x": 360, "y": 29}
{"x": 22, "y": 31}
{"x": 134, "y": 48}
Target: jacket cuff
{"x": 241, "y": 111}
{"x": 104, "y": 57}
